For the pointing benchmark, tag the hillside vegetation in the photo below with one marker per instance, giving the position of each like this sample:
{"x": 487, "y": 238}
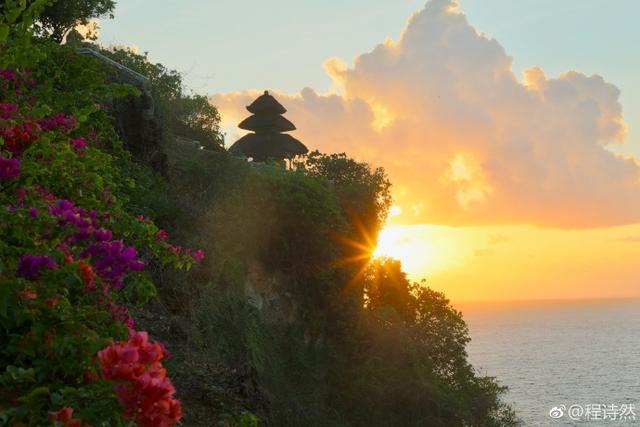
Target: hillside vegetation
{"x": 191, "y": 285}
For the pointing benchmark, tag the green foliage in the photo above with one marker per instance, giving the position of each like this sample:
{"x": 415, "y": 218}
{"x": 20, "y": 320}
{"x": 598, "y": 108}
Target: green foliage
{"x": 198, "y": 120}
{"x": 16, "y": 21}
{"x": 413, "y": 366}
{"x": 58, "y": 304}
{"x": 281, "y": 298}
{"x": 243, "y": 420}
{"x": 61, "y": 16}
{"x": 279, "y": 301}
{"x": 364, "y": 193}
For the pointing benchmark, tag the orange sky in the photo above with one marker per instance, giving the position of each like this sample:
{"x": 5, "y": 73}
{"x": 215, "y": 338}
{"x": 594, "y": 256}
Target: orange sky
{"x": 519, "y": 262}
{"x": 506, "y": 187}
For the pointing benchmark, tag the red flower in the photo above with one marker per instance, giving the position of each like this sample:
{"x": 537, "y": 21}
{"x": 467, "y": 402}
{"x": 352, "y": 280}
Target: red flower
{"x": 27, "y": 293}
{"x": 88, "y": 275}
{"x": 63, "y": 414}
{"x": 19, "y": 137}
{"x": 51, "y": 302}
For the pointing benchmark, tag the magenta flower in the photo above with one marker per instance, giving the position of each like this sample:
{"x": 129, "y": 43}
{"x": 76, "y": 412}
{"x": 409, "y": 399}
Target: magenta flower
{"x": 7, "y": 110}
{"x": 58, "y": 121}
{"x": 78, "y": 144}
{"x": 9, "y": 75}
{"x": 102, "y": 235}
{"x": 198, "y": 255}
{"x": 33, "y": 212}
{"x": 30, "y": 266}
{"x": 112, "y": 260}
{"x": 21, "y": 193}
{"x": 9, "y": 168}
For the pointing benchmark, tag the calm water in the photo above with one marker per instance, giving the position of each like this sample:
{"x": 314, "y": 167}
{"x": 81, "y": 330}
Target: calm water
{"x": 560, "y": 353}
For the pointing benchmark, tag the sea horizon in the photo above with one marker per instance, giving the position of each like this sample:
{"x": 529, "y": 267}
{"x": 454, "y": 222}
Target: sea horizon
{"x": 561, "y": 354}
{"x": 462, "y": 304}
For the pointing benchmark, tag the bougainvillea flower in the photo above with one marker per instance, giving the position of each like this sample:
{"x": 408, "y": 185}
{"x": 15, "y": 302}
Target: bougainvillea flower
{"x": 58, "y": 121}
{"x": 9, "y": 75}
{"x": 112, "y": 260}
{"x": 102, "y": 235}
{"x": 9, "y": 168}
{"x": 65, "y": 417}
{"x": 78, "y": 144}
{"x": 19, "y": 137}
{"x": 52, "y": 302}
{"x": 198, "y": 255}
{"x": 30, "y": 266}
{"x": 64, "y": 414}
{"x": 7, "y": 110}
{"x": 27, "y": 293}
{"x": 88, "y": 275}
{"x": 145, "y": 392}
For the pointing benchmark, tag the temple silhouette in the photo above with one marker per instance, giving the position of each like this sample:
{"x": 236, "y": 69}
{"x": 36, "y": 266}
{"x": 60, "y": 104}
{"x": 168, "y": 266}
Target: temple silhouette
{"x": 267, "y": 140}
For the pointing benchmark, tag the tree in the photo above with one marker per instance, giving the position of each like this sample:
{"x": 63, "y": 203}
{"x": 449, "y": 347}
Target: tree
{"x": 362, "y": 190}
{"x": 197, "y": 119}
{"x": 61, "y": 16}
{"x": 413, "y": 367}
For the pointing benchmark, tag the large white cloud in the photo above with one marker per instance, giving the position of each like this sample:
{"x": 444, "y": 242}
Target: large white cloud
{"x": 464, "y": 140}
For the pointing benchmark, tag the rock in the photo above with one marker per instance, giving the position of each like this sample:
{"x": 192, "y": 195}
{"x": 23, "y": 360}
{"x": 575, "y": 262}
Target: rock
{"x": 135, "y": 117}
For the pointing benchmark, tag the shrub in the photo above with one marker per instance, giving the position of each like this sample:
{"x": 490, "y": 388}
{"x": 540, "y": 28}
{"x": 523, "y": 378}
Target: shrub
{"x": 72, "y": 257}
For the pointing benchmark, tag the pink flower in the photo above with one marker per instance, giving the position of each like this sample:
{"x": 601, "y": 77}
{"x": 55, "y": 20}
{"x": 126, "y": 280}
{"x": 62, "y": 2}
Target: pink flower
{"x": 145, "y": 392}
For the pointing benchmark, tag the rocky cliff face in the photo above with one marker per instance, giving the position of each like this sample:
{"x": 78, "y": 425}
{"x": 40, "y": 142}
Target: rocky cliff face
{"x": 265, "y": 292}
{"x": 136, "y": 119}
{"x": 139, "y": 127}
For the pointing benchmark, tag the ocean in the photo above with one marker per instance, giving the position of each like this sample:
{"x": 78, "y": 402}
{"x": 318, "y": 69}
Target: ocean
{"x": 573, "y": 363}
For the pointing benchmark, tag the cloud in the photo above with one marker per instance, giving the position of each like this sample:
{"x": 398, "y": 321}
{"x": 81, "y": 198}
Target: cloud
{"x": 465, "y": 141}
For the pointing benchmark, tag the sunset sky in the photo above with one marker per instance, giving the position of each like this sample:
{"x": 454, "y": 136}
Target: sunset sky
{"x": 511, "y": 130}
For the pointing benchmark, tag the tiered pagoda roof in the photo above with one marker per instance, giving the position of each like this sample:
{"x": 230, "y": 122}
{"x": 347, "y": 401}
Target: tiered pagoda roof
{"x": 267, "y": 140}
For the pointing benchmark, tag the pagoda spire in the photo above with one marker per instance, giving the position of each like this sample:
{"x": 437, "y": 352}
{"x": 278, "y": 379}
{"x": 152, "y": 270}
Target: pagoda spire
{"x": 267, "y": 140}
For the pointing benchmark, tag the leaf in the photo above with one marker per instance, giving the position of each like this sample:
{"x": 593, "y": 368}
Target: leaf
{"x": 19, "y": 375}
{"x": 4, "y": 32}
{"x": 35, "y": 393}
{"x": 5, "y": 294}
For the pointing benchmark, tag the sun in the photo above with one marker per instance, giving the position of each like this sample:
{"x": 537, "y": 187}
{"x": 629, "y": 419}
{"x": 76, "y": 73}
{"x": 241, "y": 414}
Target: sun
{"x": 425, "y": 250}
{"x": 415, "y": 254}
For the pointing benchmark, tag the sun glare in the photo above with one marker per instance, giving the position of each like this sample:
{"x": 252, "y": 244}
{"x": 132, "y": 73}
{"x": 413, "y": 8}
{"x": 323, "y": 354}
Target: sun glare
{"x": 415, "y": 254}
